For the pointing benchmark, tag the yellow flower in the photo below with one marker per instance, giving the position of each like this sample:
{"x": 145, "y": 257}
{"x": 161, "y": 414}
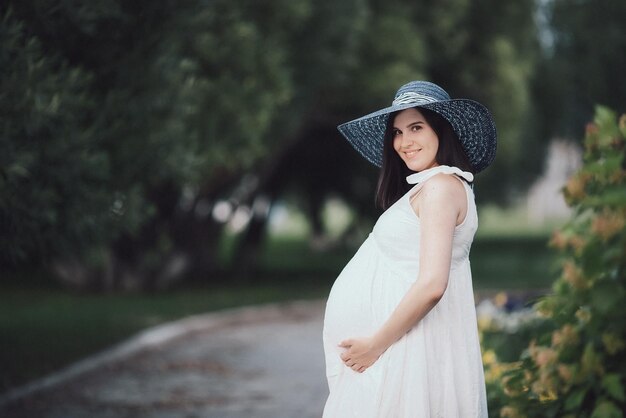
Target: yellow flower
{"x": 567, "y": 335}
{"x": 544, "y": 388}
{"x": 565, "y": 372}
{"x": 583, "y": 314}
{"x": 577, "y": 242}
{"x": 489, "y": 357}
{"x": 559, "y": 240}
{"x": 549, "y": 395}
{"x": 608, "y": 224}
{"x": 575, "y": 187}
{"x": 573, "y": 275}
{"x": 510, "y": 412}
{"x": 484, "y": 323}
{"x": 501, "y": 299}
{"x": 545, "y": 356}
{"x": 494, "y": 372}
{"x": 612, "y": 343}
{"x": 562, "y": 241}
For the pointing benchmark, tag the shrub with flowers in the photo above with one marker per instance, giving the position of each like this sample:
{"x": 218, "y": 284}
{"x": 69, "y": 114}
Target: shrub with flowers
{"x": 575, "y": 365}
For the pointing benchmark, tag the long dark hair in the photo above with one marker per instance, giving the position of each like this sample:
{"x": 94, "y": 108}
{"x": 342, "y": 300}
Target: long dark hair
{"x": 392, "y": 179}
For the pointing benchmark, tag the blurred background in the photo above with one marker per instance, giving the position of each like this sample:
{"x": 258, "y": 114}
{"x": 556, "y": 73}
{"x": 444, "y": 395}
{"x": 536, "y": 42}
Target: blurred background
{"x": 159, "y": 159}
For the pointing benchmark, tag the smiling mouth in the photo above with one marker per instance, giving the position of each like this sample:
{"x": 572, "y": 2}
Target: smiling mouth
{"x": 411, "y": 154}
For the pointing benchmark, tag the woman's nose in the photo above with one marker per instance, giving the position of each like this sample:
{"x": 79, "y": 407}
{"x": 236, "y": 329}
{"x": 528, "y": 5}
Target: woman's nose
{"x": 406, "y": 141}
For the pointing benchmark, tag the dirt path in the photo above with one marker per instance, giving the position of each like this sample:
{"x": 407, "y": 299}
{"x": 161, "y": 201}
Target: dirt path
{"x": 255, "y": 362}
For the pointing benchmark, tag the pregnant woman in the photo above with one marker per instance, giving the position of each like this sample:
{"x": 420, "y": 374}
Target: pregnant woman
{"x": 400, "y": 332}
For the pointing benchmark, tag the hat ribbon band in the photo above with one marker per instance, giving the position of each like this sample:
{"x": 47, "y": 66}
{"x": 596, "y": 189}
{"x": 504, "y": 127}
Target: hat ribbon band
{"x": 412, "y": 97}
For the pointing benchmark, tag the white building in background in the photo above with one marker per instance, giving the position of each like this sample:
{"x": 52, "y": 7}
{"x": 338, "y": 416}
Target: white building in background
{"x": 545, "y": 200}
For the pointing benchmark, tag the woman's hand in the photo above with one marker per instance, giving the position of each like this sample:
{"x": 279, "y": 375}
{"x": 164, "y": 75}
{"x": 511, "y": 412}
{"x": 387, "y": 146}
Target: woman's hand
{"x": 360, "y": 353}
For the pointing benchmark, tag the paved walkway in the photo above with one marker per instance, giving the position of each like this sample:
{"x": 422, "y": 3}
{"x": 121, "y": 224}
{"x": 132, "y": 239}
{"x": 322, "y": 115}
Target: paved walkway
{"x": 264, "y": 362}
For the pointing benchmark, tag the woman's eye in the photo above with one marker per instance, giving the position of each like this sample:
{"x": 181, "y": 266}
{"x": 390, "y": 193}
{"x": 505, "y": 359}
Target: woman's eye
{"x": 396, "y": 132}
{"x": 416, "y": 128}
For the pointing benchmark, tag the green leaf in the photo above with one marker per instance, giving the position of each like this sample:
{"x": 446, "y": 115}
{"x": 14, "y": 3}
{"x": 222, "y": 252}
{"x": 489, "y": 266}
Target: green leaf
{"x": 606, "y": 119}
{"x": 592, "y": 262}
{"x": 606, "y": 166}
{"x": 622, "y": 125}
{"x": 613, "y": 385}
{"x": 575, "y": 398}
{"x": 606, "y": 409}
{"x": 605, "y": 295}
{"x": 610, "y": 196}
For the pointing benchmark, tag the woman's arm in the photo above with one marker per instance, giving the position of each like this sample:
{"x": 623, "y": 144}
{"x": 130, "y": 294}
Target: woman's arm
{"x": 439, "y": 206}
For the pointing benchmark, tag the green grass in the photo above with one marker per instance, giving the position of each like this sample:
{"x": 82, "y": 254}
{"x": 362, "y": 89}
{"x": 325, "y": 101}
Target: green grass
{"x": 512, "y": 222}
{"x": 43, "y": 327}
{"x": 498, "y": 262}
{"x": 512, "y": 263}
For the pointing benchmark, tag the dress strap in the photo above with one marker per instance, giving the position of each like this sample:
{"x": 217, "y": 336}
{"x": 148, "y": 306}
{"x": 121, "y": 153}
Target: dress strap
{"x": 424, "y": 175}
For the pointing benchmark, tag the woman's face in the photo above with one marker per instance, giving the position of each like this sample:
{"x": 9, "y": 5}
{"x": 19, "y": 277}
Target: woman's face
{"x": 414, "y": 140}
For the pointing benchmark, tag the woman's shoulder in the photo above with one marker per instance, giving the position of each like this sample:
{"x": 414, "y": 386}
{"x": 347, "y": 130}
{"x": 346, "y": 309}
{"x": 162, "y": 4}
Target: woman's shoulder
{"x": 440, "y": 189}
{"x": 443, "y": 184}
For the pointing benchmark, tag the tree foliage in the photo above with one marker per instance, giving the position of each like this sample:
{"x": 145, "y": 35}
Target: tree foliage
{"x": 581, "y": 65}
{"x": 47, "y": 140}
{"x": 125, "y": 123}
{"x": 153, "y": 109}
{"x": 575, "y": 367}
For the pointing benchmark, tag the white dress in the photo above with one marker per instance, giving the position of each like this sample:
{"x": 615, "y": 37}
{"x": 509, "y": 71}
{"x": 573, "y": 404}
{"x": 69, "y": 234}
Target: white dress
{"x": 435, "y": 370}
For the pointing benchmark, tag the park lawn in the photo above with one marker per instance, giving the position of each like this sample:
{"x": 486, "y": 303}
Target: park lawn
{"x": 43, "y": 327}
{"x": 498, "y": 261}
{"x": 501, "y": 262}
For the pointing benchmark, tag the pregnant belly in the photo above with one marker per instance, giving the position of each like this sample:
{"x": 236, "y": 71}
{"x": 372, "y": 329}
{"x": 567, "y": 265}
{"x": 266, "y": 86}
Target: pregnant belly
{"x": 348, "y": 313}
{"x": 346, "y": 317}
{"x": 353, "y": 307}
{"x": 363, "y": 296}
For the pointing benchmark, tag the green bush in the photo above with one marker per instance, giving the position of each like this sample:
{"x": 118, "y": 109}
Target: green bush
{"x": 51, "y": 174}
{"x": 575, "y": 366}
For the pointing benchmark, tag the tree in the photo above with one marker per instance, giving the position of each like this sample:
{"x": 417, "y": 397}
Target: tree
{"x": 184, "y": 98}
{"x": 580, "y": 65}
{"x": 47, "y": 139}
{"x": 183, "y": 102}
{"x": 575, "y": 366}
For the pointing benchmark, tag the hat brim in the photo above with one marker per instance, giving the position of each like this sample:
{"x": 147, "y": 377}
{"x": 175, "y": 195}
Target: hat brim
{"x": 471, "y": 121}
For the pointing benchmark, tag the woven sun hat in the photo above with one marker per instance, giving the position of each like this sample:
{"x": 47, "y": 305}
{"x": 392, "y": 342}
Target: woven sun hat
{"x": 470, "y": 120}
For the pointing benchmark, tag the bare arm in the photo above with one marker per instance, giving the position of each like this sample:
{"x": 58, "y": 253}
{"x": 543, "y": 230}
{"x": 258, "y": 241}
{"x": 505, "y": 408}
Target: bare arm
{"x": 439, "y": 205}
